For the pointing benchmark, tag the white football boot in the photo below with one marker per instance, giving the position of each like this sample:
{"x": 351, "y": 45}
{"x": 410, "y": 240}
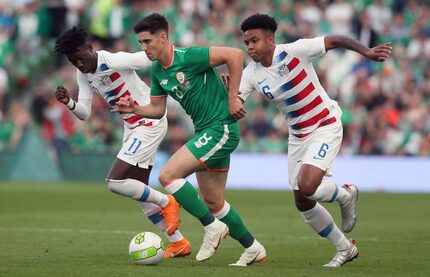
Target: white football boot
{"x": 253, "y": 254}
{"x": 349, "y": 209}
{"x": 342, "y": 257}
{"x": 216, "y": 232}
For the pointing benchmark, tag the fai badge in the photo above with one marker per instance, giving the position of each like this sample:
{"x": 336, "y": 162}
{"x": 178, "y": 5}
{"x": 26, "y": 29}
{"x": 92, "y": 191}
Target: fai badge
{"x": 181, "y": 77}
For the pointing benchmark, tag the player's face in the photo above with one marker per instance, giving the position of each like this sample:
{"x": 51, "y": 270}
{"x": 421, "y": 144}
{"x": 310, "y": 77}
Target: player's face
{"x": 152, "y": 44}
{"x": 85, "y": 59}
{"x": 259, "y": 44}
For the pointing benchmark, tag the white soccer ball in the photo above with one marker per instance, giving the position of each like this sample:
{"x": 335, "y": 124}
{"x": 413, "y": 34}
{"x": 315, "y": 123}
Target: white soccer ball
{"x": 146, "y": 248}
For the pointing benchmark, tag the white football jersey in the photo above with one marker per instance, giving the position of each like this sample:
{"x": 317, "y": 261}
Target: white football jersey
{"x": 293, "y": 86}
{"x": 115, "y": 77}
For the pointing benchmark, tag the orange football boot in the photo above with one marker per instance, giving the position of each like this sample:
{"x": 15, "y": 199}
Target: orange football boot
{"x": 177, "y": 249}
{"x": 171, "y": 215}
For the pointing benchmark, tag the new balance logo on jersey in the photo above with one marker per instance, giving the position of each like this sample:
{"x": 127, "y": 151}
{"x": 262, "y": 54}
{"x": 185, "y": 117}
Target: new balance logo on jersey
{"x": 202, "y": 141}
{"x": 164, "y": 82}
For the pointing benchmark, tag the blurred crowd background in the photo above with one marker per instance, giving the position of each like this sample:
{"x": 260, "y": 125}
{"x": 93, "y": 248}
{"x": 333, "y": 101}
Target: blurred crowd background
{"x": 386, "y": 107}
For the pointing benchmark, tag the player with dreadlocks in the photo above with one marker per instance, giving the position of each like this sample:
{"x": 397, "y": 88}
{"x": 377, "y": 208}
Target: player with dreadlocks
{"x": 112, "y": 75}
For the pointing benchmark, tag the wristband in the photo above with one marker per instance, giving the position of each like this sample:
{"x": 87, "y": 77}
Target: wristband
{"x": 71, "y": 104}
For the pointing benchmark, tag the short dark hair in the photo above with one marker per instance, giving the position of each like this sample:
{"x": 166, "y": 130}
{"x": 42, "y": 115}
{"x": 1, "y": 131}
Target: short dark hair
{"x": 152, "y": 23}
{"x": 70, "y": 41}
{"x": 259, "y": 21}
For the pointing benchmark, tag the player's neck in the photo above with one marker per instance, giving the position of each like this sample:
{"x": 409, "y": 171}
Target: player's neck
{"x": 167, "y": 57}
{"x": 267, "y": 61}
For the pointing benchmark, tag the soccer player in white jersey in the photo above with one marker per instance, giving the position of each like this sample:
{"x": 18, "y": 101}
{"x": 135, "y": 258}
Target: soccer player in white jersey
{"x": 284, "y": 75}
{"x": 112, "y": 75}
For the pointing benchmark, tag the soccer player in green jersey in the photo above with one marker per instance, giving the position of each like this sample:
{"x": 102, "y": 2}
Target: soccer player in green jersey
{"x": 188, "y": 75}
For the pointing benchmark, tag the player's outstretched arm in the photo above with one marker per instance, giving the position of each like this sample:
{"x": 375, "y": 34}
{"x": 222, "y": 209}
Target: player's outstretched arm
{"x": 379, "y": 53}
{"x": 233, "y": 58}
{"x": 156, "y": 109}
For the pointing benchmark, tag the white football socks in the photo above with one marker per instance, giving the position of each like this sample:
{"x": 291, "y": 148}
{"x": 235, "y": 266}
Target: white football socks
{"x": 322, "y": 222}
{"x": 138, "y": 191}
{"x": 327, "y": 191}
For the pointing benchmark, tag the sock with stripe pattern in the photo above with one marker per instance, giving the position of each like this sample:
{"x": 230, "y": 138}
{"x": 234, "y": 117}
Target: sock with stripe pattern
{"x": 320, "y": 220}
{"x": 327, "y": 191}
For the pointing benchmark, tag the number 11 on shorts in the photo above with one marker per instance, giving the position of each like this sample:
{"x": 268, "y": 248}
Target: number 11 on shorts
{"x": 133, "y": 147}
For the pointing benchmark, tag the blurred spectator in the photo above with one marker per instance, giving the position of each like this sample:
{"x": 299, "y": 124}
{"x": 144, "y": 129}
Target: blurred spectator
{"x": 339, "y": 15}
{"x": 380, "y": 16}
{"x": 12, "y": 126}
{"x": 364, "y": 31}
{"x": 386, "y": 107}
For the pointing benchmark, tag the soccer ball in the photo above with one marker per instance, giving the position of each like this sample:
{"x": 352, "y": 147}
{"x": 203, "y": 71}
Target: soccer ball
{"x": 146, "y": 248}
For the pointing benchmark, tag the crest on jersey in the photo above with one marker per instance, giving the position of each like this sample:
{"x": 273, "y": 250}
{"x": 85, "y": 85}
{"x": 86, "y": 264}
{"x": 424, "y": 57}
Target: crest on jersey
{"x": 107, "y": 81}
{"x": 283, "y": 69}
{"x": 182, "y": 79}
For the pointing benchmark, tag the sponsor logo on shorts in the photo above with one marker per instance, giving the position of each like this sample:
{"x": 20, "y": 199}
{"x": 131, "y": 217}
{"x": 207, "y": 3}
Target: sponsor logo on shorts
{"x": 202, "y": 141}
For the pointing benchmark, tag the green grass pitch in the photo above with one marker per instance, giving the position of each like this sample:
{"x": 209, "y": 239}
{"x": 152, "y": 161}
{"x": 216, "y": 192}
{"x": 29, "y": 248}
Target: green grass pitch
{"x": 82, "y": 229}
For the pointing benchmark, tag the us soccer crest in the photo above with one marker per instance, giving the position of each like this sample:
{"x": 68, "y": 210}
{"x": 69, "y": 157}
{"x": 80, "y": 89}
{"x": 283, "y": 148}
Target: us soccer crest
{"x": 283, "y": 70}
{"x": 182, "y": 79}
{"x": 106, "y": 80}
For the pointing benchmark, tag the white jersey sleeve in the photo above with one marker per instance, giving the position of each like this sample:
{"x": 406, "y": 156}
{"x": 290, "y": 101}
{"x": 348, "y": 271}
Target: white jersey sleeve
{"x": 122, "y": 61}
{"x": 309, "y": 49}
{"x": 85, "y": 98}
{"x": 246, "y": 83}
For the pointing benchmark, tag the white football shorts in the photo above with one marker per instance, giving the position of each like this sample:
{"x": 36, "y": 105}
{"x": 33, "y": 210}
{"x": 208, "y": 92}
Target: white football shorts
{"x": 318, "y": 149}
{"x": 140, "y": 144}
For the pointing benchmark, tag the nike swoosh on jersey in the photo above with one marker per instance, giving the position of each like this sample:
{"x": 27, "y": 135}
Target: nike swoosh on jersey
{"x": 176, "y": 253}
{"x": 318, "y": 158}
{"x": 261, "y": 81}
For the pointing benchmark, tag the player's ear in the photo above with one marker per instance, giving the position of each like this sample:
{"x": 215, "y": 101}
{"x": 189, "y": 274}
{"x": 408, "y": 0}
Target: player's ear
{"x": 163, "y": 36}
{"x": 271, "y": 39}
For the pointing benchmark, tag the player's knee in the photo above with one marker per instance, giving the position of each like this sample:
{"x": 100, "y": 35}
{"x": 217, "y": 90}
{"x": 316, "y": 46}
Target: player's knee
{"x": 119, "y": 187}
{"x": 307, "y": 187}
{"x": 304, "y": 204}
{"x": 166, "y": 176}
{"x": 114, "y": 185}
{"x": 214, "y": 204}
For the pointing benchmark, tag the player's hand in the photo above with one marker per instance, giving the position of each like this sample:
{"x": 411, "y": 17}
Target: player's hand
{"x": 124, "y": 105}
{"x": 236, "y": 107}
{"x": 225, "y": 78}
{"x": 62, "y": 95}
{"x": 380, "y": 53}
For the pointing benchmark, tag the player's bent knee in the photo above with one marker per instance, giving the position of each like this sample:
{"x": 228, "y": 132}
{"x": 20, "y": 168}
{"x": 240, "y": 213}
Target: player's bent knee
{"x": 306, "y": 188}
{"x": 166, "y": 177}
{"x": 121, "y": 187}
{"x": 214, "y": 205}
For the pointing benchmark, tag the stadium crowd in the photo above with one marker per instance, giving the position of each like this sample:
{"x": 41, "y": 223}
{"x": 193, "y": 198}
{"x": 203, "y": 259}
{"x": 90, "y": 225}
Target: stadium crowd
{"x": 386, "y": 107}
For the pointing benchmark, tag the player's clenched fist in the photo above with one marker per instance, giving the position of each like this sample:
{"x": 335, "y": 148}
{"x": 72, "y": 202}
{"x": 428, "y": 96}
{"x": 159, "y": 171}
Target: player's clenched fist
{"x": 236, "y": 107}
{"x": 125, "y": 105}
{"x": 62, "y": 95}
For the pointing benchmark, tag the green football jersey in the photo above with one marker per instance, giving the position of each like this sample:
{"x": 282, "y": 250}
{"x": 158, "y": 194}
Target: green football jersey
{"x": 192, "y": 82}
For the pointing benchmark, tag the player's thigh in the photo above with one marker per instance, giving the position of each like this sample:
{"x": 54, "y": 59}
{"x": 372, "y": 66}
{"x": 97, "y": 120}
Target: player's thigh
{"x": 121, "y": 170}
{"x": 212, "y": 187}
{"x": 213, "y": 146}
{"x": 318, "y": 149}
{"x": 141, "y": 144}
{"x": 180, "y": 165}
{"x": 322, "y": 147}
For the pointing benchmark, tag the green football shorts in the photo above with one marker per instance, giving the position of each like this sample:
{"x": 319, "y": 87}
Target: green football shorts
{"x": 212, "y": 146}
